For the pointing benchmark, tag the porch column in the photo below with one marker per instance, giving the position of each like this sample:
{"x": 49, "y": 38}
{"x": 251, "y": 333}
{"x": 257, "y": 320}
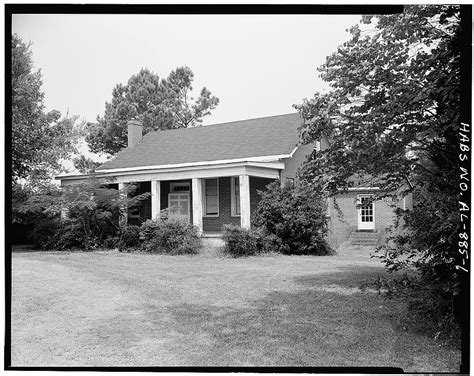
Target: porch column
{"x": 123, "y": 211}
{"x": 197, "y": 203}
{"x": 155, "y": 199}
{"x": 244, "y": 191}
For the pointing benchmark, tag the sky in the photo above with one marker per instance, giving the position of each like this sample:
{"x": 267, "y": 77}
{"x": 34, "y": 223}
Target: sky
{"x": 257, "y": 65}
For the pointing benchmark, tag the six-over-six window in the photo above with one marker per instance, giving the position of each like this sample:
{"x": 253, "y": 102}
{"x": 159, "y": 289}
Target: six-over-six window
{"x": 211, "y": 197}
{"x": 235, "y": 196}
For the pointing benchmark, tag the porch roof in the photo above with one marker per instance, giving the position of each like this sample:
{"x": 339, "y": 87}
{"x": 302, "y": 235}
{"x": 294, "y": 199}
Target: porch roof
{"x": 259, "y": 139}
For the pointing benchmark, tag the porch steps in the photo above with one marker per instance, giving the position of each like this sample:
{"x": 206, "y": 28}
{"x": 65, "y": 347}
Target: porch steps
{"x": 367, "y": 238}
{"x": 212, "y": 241}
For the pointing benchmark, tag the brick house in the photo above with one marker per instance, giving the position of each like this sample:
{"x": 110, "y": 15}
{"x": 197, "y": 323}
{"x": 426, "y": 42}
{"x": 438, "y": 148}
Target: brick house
{"x": 210, "y": 175}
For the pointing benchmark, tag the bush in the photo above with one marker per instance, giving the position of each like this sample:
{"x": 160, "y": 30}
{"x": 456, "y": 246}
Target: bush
{"x": 129, "y": 237}
{"x": 43, "y": 232}
{"x": 94, "y": 213}
{"x": 429, "y": 305}
{"x": 70, "y": 235}
{"x": 111, "y": 243}
{"x": 294, "y": 219}
{"x": 170, "y": 236}
{"x": 243, "y": 242}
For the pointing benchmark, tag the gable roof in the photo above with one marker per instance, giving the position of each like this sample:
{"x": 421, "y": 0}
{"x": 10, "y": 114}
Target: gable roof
{"x": 245, "y": 139}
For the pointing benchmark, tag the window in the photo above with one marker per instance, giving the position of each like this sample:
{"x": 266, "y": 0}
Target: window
{"x": 211, "y": 197}
{"x": 179, "y": 187}
{"x": 235, "y": 196}
{"x": 366, "y": 209}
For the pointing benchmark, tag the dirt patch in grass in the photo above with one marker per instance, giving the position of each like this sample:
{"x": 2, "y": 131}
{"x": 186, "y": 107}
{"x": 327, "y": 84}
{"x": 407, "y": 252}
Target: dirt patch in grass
{"x": 111, "y": 309}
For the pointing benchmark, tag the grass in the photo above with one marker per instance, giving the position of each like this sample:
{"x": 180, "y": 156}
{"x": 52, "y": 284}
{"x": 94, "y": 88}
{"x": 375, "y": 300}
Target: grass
{"x": 114, "y": 309}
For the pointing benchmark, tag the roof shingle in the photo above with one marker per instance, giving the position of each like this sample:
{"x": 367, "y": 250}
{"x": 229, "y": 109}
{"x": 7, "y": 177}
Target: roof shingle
{"x": 274, "y": 135}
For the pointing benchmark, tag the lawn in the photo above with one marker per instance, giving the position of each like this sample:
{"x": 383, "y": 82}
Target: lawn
{"x": 114, "y": 309}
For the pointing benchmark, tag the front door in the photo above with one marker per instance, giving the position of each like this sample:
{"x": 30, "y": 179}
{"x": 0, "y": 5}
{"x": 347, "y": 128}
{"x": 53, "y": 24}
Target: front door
{"x": 365, "y": 212}
{"x": 178, "y": 205}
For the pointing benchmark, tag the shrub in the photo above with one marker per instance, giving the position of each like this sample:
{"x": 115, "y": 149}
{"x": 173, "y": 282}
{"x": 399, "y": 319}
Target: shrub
{"x": 43, "y": 231}
{"x": 70, "y": 235}
{"x": 429, "y": 305}
{"x": 294, "y": 218}
{"x": 243, "y": 242}
{"x": 112, "y": 242}
{"x": 93, "y": 214}
{"x": 170, "y": 236}
{"x": 129, "y": 237}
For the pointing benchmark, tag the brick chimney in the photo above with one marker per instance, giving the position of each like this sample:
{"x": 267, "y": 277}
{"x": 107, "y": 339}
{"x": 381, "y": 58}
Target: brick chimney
{"x": 134, "y": 128}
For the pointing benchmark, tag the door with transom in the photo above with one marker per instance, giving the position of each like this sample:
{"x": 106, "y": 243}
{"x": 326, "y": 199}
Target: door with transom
{"x": 179, "y": 201}
{"x": 365, "y": 212}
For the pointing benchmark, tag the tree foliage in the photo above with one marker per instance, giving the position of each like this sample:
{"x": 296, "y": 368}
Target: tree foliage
{"x": 294, "y": 217}
{"x": 392, "y": 117}
{"x": 393, "y": 111}
{"x": 84, "y": 164}
{"x": 93, "y": 213}
{"x": 39, "y": 140}
{"x": 158, "y": 104}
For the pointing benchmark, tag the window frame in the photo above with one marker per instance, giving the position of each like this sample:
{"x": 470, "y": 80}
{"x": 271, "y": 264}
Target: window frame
{"x": 204, "y": 214}
{"x": 233, "y": 206}
{"x": 132, "y": 212}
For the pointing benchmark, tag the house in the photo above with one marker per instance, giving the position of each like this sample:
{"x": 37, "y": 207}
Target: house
{"x": 210, "y": 175}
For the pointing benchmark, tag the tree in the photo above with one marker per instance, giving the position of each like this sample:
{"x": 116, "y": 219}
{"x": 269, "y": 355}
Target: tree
{"x": 294, "y": 217}
{"x": 157, "y": 104}
{"x": 85, "y": 165}
{"x": 93, "y": 214}
{"x": 39, "y": 140}
{"x": 392, "y": 117}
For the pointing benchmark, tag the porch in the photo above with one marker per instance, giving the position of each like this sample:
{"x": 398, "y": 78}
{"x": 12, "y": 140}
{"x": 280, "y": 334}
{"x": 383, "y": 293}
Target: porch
{"x": 208, "y": 194}
{"x": 208, "y": 203}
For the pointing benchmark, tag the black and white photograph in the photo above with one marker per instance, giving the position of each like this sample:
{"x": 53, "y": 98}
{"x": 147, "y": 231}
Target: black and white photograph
{"x": 238, "y": 188}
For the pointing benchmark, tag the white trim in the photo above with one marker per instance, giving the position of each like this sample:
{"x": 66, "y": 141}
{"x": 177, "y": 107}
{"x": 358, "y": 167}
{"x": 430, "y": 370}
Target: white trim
{"x": 266, "y": 158}
{"x": 190, "y": 173}
{"x": 260, "y": 169}
{"x": 197, "y": 203}
{"x": 292, "y": 152}
{"x": 232, "y": 197}
{"x": 155, "y": 199}
{"x": 123, "y": 210}
{"x": 365, "y": 225}
{"x": 204, "y": 200}
{"x": 244, "y": 184}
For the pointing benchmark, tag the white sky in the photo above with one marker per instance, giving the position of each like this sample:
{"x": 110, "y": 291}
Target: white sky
{"x": 256, "y": 65}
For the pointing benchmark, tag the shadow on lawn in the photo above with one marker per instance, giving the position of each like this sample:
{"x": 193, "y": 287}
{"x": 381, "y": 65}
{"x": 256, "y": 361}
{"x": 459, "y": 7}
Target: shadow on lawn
{"x": 321, "y": 325}
{"x": 346, "y": 276}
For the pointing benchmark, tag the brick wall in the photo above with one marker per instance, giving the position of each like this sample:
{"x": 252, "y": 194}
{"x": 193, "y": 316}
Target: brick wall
{"x": 215, "y": 223}
{"x": 340, "y": 227}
